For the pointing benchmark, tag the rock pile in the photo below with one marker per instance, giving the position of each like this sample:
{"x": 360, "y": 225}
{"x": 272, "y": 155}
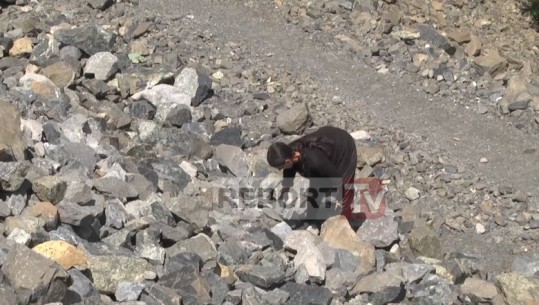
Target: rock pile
{"x": 115, "y": 135}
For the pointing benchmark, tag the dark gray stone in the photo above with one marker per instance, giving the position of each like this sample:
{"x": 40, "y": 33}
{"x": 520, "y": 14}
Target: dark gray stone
{"x": 100, "y": 4}
{"x": 172, "y": 178}
{"x": 126, "y": 291}
{"x": 260, "y": 276}
{"x": 45, "y": 52}
{"x": 81, "y": 291}
{"x": 178, "y": 115}
{"x": 431, "y": 35}
{"x": 231, "y": 252}
{"x": 228, "y": 135}
{"x": 306, "y": 294}
{"x": 90, "y": 39}
{"x": 9, "y": 297}
{"x": 20, "y": 268}
{"x": 12, "y": 175}
{"x": 142, "y": 110}
{"x": 115, "y": 187}
{"x": 156, "y": 294}
{"x": 116, "y": 214}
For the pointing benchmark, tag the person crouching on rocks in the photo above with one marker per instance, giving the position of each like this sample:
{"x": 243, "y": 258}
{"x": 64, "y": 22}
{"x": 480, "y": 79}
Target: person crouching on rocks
{"x": 328, "y": 152}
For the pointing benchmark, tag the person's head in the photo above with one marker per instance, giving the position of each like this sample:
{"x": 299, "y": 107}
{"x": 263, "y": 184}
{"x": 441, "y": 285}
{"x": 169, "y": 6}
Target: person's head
{"x": 281, "y": 155}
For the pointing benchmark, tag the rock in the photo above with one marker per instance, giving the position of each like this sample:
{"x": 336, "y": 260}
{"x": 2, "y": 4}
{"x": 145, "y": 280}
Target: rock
{"x": 490, "y": 63}
{"x": 82, "y": 288}
{"x": 260, "y": 276}
{"x": 199, "y": 244}
{"x": 518, "y": 289}
{"x": 12, "y": 175}
{"x": 196, "y": 85}
{"x": 232, "y": 158}
{"x": 65, "y": 254}
{"x": 526, "y": 265}
{"x": 424, "y": 241}
{"x": 429, "y": 34}
{"x": 101, "y": 65}
{"x": 311, "y": 259}
{"x": 361, "y": 135}
{"x": 60, "y": 73}
{"x": 115, "y": 187}
{"x": 479, "y": 288}
{"x": 517, "y": 87}
{"x": 91, "y": 39}
{"x": 380, "y": 232}
{"x": 412, "y": 193}
{"x": 473, "y": 48}
{"x": 21, "y": 47}
{"x": 100, "y": 4}
{"x": 109, "y": 271}
{"x": 306, "y": 294}
{"x": 46, "y": 212}
{"x": 50, "y": 188}
{"x": 20, "y": 268}
{"x": 384, "y": 287}
{"x": 40, "y": 85}
{"x": 370, "y": 155}
{"x": 11, "y": 139}
{"x": 294, "y": 120}
{"x": 128, "y": 291}
{"x": 228, "y": 135}
{"x": 460, "y": 37}
{"x": 339, "y": 234}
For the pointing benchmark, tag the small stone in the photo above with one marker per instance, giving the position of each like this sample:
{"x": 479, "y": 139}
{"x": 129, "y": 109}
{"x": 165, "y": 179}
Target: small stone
{"x": 479, "y": 228}
{"x": 483, "y": 160}
{"x": 412, "y": 193}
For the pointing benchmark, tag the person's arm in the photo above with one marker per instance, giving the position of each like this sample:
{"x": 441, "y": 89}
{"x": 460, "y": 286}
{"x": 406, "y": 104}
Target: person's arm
{"x": 288, "y": 180}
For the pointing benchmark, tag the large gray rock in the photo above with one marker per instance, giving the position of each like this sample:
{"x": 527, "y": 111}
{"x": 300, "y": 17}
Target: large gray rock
{"x": 50, "y": 188}
{"x": 108, "y": 271}
{"x": 36, "y": 278}
{"x": 12, "y": 144}
{"x": 91, "y": 39}
{"x": 424, "y": 241}
{"x": 518, "y": 289}
{"x": 294, "y": 120}
{"x": 233, "y": 158}
{"x": 194, "y": 84}
{"x": 12, "y": 175}
{"x": 381, "y": 232}
{"x": 101, "y": 65}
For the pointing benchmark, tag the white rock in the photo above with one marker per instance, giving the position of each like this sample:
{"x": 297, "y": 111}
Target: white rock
{"x": 360, "y": 135}
{"x": 412, "y": 193}
{"x": 311, "y": 259}
{"x": 479, "y": 228}
{"x": 483, "y": 160}
{"x": 19, "y": 236}
{"x": 102, "y": 65}
{"x": 189, "y": 168}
